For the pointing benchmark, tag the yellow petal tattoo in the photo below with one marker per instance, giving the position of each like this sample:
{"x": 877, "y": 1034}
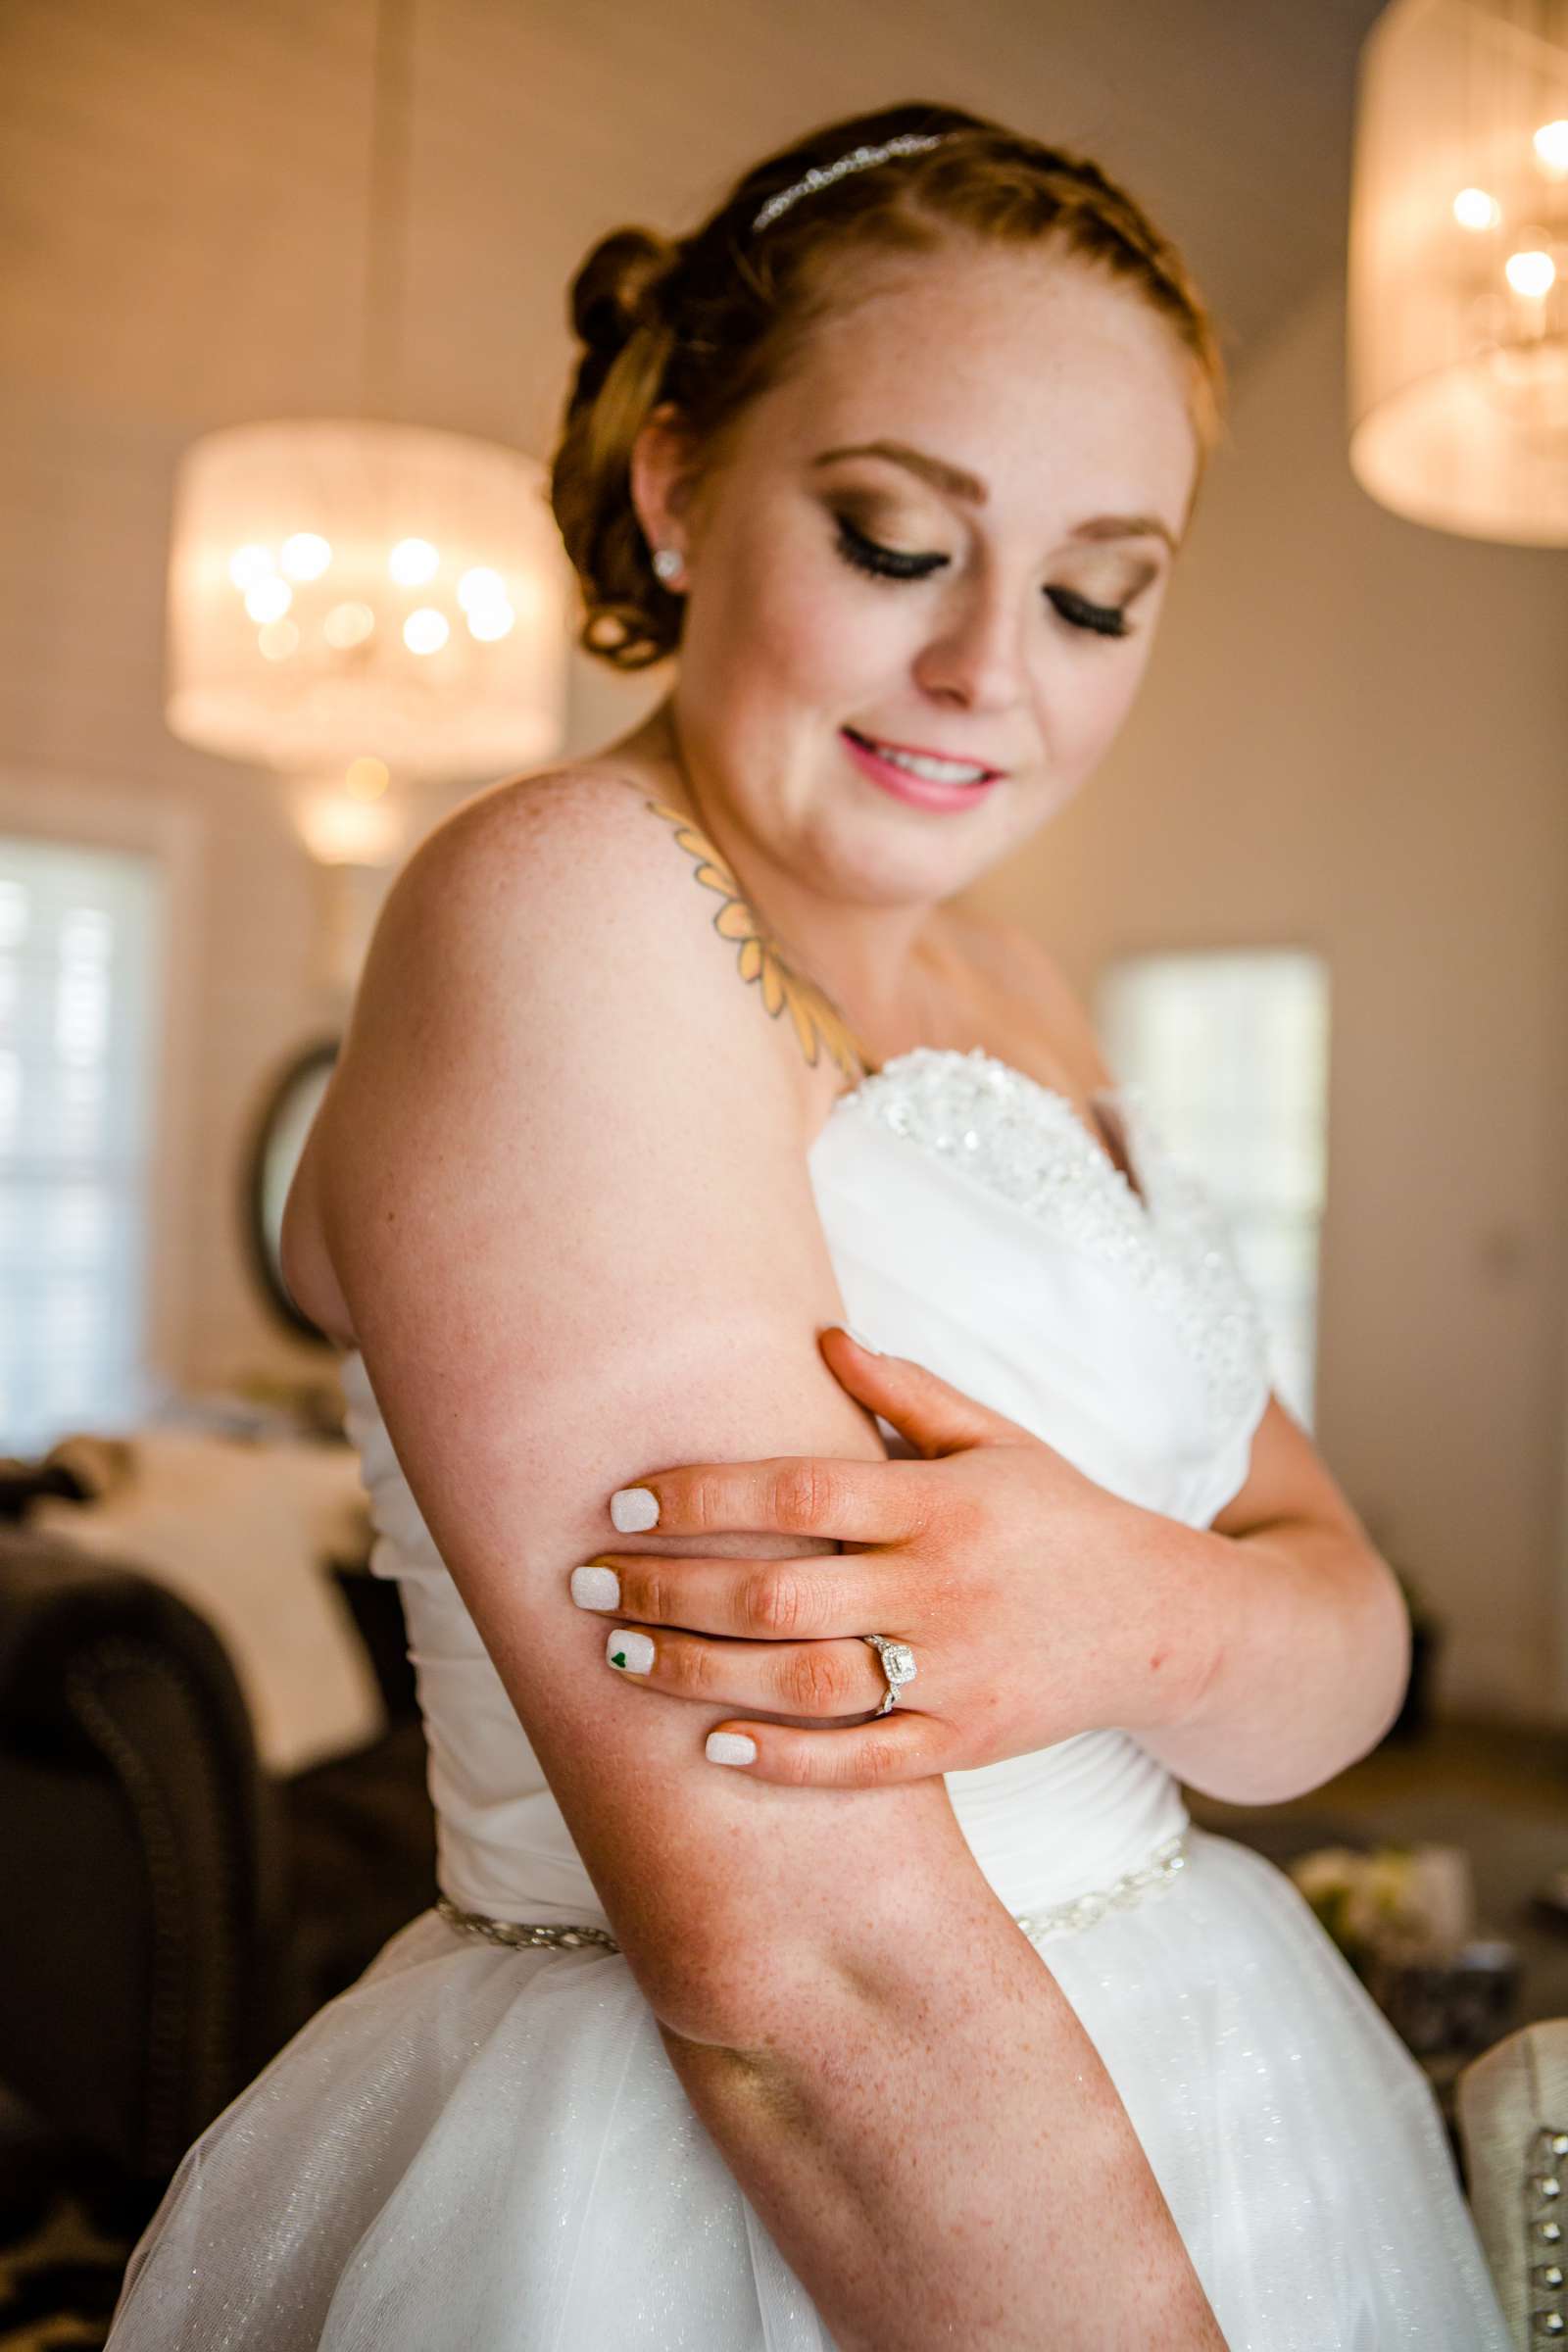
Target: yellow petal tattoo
{"x": 817, "y": 1019}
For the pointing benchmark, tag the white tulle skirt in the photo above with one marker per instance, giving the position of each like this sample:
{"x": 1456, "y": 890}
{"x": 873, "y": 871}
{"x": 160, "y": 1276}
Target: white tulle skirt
{"x": 488, "y": 2148}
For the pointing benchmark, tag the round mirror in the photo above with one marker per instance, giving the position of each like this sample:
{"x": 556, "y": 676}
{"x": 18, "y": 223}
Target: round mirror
{"x": 289, "y": 1106}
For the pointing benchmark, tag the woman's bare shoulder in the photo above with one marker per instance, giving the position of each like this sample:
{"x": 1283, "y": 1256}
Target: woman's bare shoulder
{"x": 553, "y": 934}
{"x": 558, "y": 858}
{"x": 578, "y": 797}
{"x": 575, "y": 850}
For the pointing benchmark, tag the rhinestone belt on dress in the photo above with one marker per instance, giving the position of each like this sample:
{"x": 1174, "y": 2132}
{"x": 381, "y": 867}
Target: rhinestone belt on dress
{"x": 1164, "y": 1864}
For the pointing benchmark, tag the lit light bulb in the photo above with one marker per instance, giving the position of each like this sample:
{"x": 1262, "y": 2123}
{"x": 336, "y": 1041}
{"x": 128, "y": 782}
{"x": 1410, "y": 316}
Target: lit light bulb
{"x": 278, "y": 641}
{"x": 305, "y": 556}
{"x": 489, "y": 623}
{"x": 1473, "y": 207}
{"x": 1550, "y": 144}
{"x": 366, "y": 778}
{"x": 426, "y": 631}
{"x": 479, "y": 585}
{"x": 1532, "y": 274}
{"x": 250, "y": 564}
{"x": 347, "y": 624}
{"x": 338, "y": 830}
{"x": 412, "y": 562}
{"x": 269, "y": 599}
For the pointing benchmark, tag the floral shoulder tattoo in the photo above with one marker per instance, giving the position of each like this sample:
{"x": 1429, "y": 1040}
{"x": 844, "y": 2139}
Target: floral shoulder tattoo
{"x": 818, "y": 1022}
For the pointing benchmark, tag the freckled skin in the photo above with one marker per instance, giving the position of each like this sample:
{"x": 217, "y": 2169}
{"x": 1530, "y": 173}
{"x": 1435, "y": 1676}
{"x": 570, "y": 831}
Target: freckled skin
{"x": 1068, "y": 397}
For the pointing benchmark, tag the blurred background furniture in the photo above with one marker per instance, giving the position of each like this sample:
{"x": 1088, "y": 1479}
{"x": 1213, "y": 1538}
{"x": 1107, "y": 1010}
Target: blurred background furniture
{"x": 172, "y": 1909}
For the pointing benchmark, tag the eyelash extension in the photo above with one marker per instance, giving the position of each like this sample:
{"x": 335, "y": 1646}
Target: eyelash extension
{"x": 1105, "y": 620}
{"x": 887, "y": 564}
{"x": 882, "y": 562}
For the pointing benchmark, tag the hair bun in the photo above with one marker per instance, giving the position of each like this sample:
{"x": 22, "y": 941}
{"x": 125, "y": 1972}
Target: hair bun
{"x": 610, "y": 292}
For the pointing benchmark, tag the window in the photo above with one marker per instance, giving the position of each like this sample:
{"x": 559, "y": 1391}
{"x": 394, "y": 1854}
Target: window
{"x": 80, "y": 933}
{"x": 1231, "y": 1049}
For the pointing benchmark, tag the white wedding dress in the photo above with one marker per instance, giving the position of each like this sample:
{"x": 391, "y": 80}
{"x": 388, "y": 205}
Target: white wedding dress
{"x": 486, "y": 2147}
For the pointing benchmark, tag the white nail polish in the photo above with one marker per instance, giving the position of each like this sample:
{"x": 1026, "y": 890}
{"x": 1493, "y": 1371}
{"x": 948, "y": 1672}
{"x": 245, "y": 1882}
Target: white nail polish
{"x": 595, "y": 1588}
{"x": 861, "y": 1339}
{"x": 632, "y": 1509}
{"x": 730, "y": 1747}
{"x": 631, "y": 1651}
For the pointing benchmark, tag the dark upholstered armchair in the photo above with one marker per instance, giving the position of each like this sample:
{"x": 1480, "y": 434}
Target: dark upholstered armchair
{"x": 170, "y": 1913}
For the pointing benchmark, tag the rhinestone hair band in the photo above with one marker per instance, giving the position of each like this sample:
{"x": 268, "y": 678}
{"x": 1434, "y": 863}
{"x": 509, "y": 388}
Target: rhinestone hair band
{"x": 909, "y": 143}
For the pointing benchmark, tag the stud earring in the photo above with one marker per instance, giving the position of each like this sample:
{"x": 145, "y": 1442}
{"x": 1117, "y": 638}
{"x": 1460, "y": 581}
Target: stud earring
{"x": 669, "y": 564}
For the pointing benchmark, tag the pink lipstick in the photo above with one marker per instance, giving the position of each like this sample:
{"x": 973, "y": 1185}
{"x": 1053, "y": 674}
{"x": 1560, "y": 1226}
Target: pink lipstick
{"x": 922, "y": 792}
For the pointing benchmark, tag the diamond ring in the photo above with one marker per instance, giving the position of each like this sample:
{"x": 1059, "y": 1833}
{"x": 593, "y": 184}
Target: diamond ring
{"x": 897, "y": 1666}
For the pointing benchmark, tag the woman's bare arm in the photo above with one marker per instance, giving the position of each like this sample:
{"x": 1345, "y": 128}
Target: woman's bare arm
{"x": 563, "y": 1190}
{"x": 942, "y": 2157}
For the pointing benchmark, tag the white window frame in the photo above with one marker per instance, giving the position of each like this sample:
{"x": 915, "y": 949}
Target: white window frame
{"x": 1291, "y": 1365}
{"x": 147, "y": 818}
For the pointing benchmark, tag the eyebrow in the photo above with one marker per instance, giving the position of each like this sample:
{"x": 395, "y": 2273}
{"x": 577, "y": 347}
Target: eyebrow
{"x": 955, "y": 482}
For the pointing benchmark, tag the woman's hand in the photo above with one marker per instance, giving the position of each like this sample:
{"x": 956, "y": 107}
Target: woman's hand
{"x": 1038, "y": 1604}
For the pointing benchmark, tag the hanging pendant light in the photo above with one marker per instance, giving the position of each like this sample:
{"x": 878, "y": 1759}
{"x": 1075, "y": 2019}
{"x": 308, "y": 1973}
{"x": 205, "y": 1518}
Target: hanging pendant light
{"x": 365, "y": 602}
{"x": 1458, "y": 268}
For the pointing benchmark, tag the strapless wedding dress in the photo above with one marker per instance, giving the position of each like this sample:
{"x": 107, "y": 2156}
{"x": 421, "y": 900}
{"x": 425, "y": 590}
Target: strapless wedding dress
{"x": 486, "y": 2147}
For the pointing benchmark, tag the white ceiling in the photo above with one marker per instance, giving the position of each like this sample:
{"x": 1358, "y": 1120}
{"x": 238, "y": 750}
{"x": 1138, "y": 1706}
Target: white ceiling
{"x": 183, "y": 183}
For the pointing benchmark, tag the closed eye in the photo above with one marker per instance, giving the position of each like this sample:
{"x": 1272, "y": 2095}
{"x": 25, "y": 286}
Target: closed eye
{"x": 1107, "y": 621}
{"x": 881, "y": 563}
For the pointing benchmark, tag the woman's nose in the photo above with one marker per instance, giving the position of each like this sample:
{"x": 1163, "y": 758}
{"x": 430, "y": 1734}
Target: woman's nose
{"x": 977, "y": 657}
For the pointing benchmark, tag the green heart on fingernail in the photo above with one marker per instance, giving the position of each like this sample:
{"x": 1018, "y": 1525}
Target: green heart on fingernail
{"x": 619, "y": 1658}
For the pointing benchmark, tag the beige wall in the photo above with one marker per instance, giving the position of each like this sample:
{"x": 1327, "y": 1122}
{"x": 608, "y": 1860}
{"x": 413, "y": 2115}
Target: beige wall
{"x": 1353, "y": 736}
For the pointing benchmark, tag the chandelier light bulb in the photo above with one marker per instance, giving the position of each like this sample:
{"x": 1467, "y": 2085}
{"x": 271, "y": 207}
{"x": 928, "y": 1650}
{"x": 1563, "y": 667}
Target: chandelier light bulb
{"x": 347, "y": 624}
{"x": 305, "y": 555}
{"x": 367, "y": 779}
{"x": 491, "y": 622}
{"x": 278, "y": 640}
{"x": 1550, "y": 144}
{"x": 1474, "y": 209}
{"x": 250, "y": 564}
{"x": 269, "y": 599}
{"x": 480, "y": 585}
{"x": 412, "y": 562}
{"x": 1530, "y": 274}
{"x": 339, "y": 829}
{"x": 426, "y": 631}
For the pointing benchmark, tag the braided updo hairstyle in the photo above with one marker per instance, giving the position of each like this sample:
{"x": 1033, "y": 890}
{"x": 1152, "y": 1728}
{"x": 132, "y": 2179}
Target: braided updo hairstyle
{"x": 710, "y": 321}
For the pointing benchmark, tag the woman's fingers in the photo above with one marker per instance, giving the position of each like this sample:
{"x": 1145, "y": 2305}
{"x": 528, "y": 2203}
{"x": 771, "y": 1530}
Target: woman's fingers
{"x": 785, "y": 1677}
{"x": 811, "y": 1495}
{"x": 812, "y": 1600}
{"x": 921, "y": 1406}
{"x": 790, "y": 1494}
{"x": 903, "y": 1746}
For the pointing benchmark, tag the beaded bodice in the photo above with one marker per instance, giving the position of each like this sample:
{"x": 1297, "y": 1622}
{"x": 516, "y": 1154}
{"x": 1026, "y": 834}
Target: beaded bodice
{"x": 975, "y": 1226}
{"x": 1024, "y": 1141}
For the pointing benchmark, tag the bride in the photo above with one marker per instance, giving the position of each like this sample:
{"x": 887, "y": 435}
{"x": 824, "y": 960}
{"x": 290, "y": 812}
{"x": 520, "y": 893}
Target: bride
{"x": 792, "y": 1989}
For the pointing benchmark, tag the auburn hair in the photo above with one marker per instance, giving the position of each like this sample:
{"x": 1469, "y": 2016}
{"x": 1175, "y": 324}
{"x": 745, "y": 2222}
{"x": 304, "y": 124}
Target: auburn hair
{"x": 707, "y": 321}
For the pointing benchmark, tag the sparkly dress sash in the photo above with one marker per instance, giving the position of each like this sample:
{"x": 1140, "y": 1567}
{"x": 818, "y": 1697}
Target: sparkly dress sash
{"x": 1163, "y": 1867}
